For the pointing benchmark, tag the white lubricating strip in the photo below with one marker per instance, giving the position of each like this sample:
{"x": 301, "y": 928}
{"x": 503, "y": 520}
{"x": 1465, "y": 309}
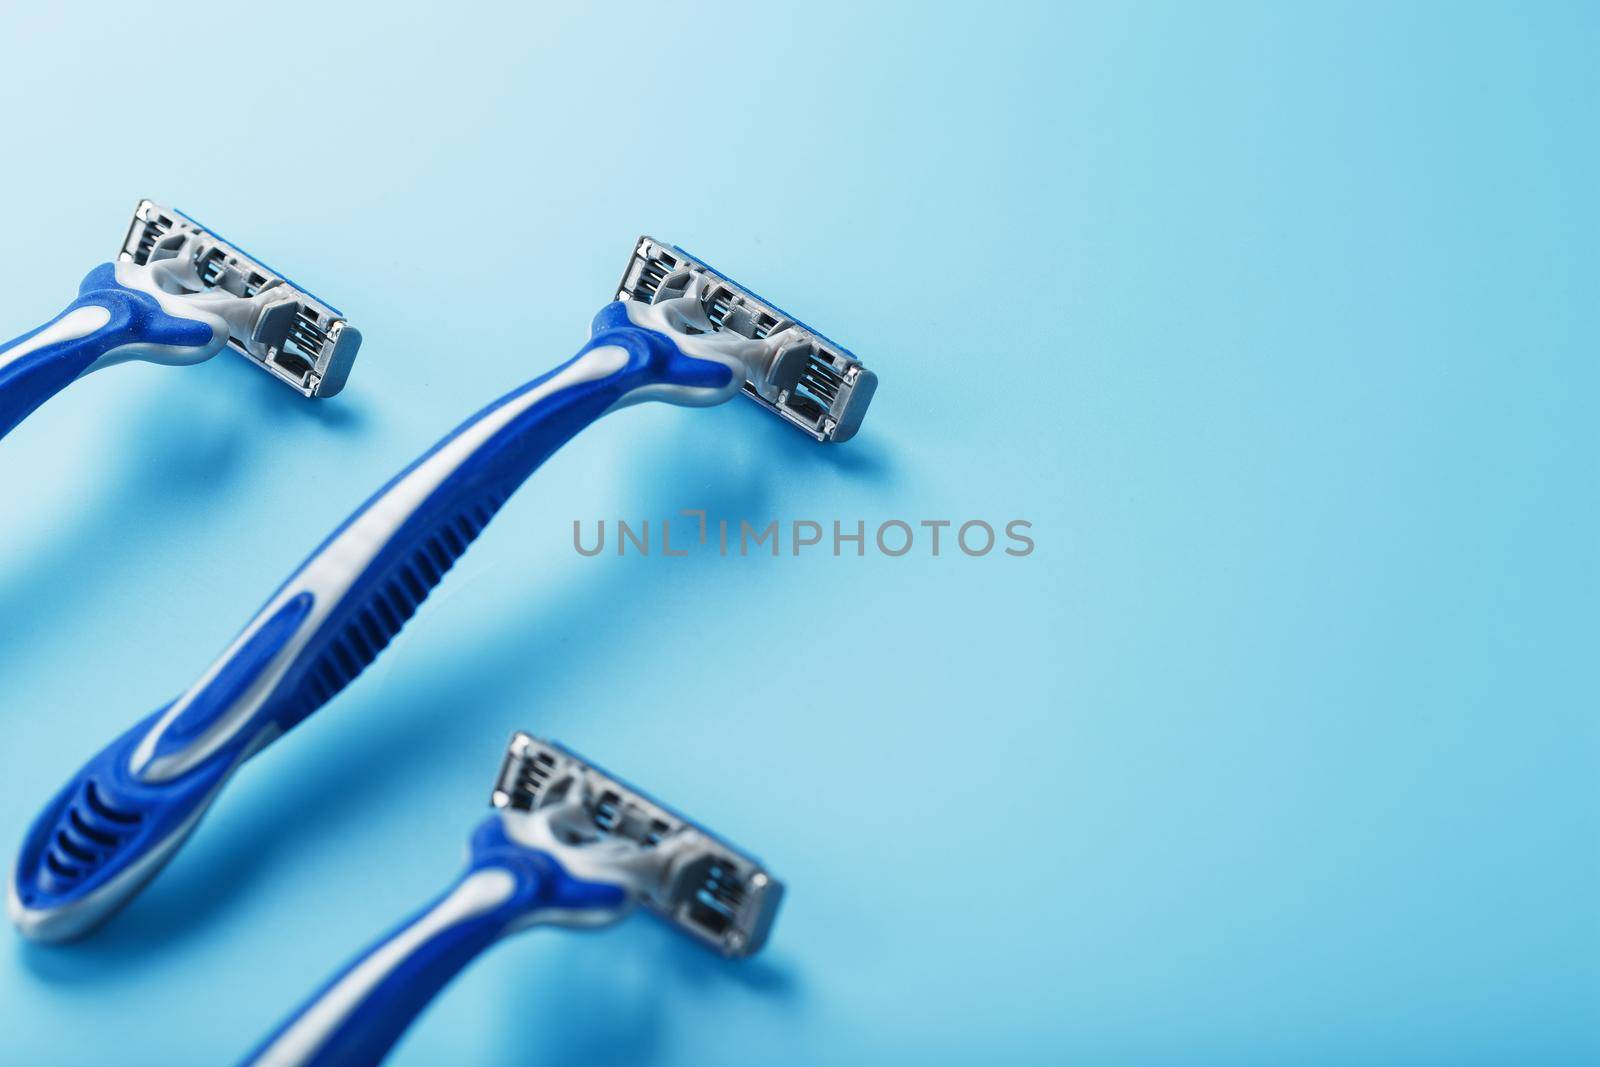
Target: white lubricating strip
{"x": 328, "y": 576}
{"x": 79, "y": 322}
{"x": 478, "y": 893}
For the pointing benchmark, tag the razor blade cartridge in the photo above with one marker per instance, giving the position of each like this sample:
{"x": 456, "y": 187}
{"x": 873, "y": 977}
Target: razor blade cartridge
{"x": 299, "y": 339}
{"x": 815, "y": 384}
{"x": 717, "y": 893}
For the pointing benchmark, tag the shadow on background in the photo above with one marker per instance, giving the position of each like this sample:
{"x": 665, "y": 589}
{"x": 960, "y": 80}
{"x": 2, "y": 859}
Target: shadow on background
{"x": 552, "y": 644}
{"x": 615, "y": 1000}
{"x": 173, "y": 458}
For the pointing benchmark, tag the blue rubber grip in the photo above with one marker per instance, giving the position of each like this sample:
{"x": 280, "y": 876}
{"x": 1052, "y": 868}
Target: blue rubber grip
{"x": 328, "y": 622}
{"x": 106, "y": 316}
{"x": 356, "y": 1018}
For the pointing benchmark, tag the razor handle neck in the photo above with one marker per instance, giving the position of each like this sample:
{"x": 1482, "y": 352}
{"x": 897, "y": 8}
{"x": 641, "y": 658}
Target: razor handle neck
{"x": 109, "y": 322}
{"x": 356, "y": 1018}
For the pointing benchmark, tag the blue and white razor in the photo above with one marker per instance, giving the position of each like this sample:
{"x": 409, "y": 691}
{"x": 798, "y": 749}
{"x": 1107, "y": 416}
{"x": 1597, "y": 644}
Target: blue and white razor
{"x": 570, "y": 846}
{"x": 679, "y": 332}
{"x": 178, "y": 294}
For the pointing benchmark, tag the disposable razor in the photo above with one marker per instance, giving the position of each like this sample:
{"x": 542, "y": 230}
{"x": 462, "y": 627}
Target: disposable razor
{"x": 677, "y": 332}
{"x": 178, "y": 294}
{"x": 569, "y": 845}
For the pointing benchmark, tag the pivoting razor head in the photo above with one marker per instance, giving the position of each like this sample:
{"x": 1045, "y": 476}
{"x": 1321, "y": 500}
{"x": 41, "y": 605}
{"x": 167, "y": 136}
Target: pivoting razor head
{"x": 299, "y": 339}
{"x": 715, "y": 892}
{"x": 815, "y": 384}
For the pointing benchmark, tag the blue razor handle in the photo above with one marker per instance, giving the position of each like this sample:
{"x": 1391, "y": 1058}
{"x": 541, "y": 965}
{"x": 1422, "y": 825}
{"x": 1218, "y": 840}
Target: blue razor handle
{"x": 570, "y": 845}
{"x": 178, "y": 294}
{"x": 111, "y": 321}
{"x": 111, "y": 828}
{"x": 357, "y": 1017}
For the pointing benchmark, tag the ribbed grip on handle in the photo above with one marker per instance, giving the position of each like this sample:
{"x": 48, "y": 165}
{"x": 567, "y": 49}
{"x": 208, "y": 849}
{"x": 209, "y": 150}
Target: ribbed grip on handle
{"x": 346, "y": 603}
{"x": 103, "y": 835}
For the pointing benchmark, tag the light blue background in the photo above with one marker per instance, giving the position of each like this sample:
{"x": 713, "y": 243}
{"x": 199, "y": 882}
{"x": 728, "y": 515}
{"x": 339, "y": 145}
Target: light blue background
{"x": 1278, "y": 322}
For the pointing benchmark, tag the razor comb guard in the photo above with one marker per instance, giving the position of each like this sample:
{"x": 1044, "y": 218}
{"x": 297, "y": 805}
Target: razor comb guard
{"x": 300, "y": 340}
{"x": 815, "y": 384}
{"x": 722, "y": 897}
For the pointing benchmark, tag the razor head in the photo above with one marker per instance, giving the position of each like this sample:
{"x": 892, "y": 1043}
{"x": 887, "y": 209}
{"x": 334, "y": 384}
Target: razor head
{"x": 816, "y": 385}
{"x": 299, "y": 340}
{"x": 717, "y": 893}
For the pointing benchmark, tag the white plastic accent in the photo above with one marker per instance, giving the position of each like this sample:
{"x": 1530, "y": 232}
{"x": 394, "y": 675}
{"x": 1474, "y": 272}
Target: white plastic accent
{"x": 182, "y": 307}
{"x": 79, "y": 322}
{"x": 739, "y": 354}
{"x": 480, "y": 892}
